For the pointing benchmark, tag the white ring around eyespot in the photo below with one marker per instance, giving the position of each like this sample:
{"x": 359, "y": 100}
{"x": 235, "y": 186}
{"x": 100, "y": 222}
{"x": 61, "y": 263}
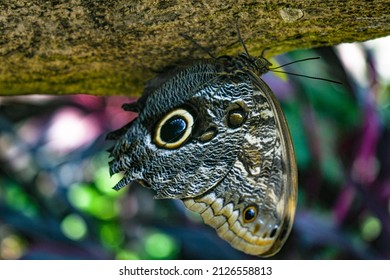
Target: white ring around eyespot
{"x": 189, "y": 119}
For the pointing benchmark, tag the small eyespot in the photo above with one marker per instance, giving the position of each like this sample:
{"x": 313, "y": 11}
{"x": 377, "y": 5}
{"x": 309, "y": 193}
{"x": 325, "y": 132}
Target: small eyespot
{"x": 236, "y": 118}
{"x": 237, "y": 115}
{"x": 209, "y": 134}
{"x": 249, "y": 214}
{"x": 273, "y": 232}
{"x": 173, "y": 129}
{"x": 283, "y": 233}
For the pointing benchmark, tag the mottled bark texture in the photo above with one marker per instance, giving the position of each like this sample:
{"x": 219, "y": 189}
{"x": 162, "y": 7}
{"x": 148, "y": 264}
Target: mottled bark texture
{"x": 112, "y": 47}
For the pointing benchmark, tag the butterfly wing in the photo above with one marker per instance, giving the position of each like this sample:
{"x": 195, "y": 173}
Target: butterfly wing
{"x": 219, "y": 141}
{"x": 201, "y": 101}
{"x": 253, "y": 208}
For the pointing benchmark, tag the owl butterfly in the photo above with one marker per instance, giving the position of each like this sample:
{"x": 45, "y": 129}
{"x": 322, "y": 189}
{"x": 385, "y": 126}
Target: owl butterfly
{"x": 213, "y": 135}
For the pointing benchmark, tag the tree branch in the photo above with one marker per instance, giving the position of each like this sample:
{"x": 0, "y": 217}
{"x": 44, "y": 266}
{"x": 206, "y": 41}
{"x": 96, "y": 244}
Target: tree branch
{"x": 112, "y": 47}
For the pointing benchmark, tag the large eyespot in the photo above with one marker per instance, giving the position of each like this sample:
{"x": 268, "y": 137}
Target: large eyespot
{"x": 249, "y": 214}
{"x": 173, "y": 129}
{"x": 237, "y": 114}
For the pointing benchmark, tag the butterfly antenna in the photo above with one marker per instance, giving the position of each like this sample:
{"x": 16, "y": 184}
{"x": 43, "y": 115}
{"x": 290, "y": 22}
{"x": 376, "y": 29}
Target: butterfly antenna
{"x": 305, "y": 76}
{"x": 296, "y": 61}
{"x": 239, "y": 36}
{"x": 301, "y": 75}
{"x": 185, "y": 36}
{"x": 263, "y": 52}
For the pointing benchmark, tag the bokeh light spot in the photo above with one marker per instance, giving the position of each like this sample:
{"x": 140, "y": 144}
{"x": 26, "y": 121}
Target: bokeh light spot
{"x": 370, "y": 228}
{"x": 127, "y": 255}
{"x": 17, "y": 199}
{"x": 11, "y": 247}
{"x": 74, "y": 227}
{"x": 105, "y": 183}
{"x": 71, "y": 129}
{"x": 104, "y": 208}
{"x": 87, "y": 198}
{"x": 111, "y": 235}
{"x": 160, "y": 246}
{"x": 81, "y": 195}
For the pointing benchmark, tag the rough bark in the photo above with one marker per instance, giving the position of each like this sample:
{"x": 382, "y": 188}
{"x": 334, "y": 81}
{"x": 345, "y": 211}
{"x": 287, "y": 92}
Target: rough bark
{"x": 112, "y": 47}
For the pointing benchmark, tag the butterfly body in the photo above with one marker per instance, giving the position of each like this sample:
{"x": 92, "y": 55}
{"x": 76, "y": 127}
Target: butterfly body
{"x": 213, "y": 135}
